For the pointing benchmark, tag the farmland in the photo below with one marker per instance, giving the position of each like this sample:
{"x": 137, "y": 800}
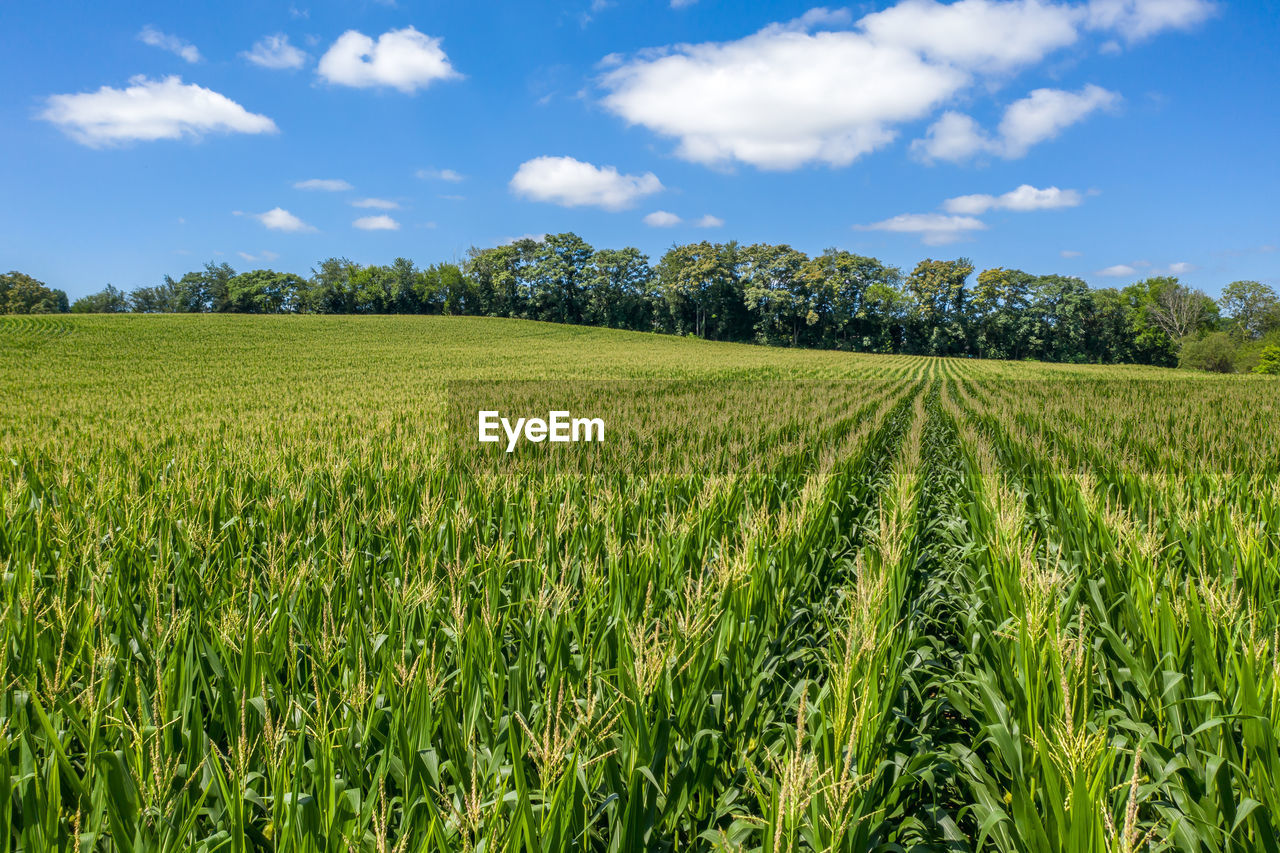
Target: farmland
{"x": 260, "y": 593}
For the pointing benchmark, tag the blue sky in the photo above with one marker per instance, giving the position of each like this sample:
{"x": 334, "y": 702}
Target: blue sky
{"x": 1110, "y": 139}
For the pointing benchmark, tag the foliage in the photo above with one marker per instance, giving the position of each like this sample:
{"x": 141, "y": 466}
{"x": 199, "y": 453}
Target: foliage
{"x": 1269, "y": 363}
{"x": 22, "y": 294}
{"x": 1213, "y": 353}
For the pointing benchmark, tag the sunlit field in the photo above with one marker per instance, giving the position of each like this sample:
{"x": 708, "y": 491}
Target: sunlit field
{"x": 261, "y": 592}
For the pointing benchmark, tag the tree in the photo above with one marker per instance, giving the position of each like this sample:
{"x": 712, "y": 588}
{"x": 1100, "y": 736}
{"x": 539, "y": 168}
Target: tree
{"x": 109, "y": 300}
{"x": 331, "y": 290}
{"x": 164, "y": 298}
{"x": 22, "y": 294}
{"x": 1178, "y": 310}
{"x": 839, "y": 282}
{"x": 938, "y": 312}
{"x": 1253, "y": 308}
{"x": 1269, "y": 364}
{"x": 703, "y": 290}
{"x": 443, "y": 289}
{"x": 1001, "y": 326}
{"x": 1214, "y": 353}
{"x": 558, "y": 277}
{"x": 1063, "y": 309}
{"x": 778, "y": 292}
{"x": 264, "y": 292}
{"x": 619, "y": 291}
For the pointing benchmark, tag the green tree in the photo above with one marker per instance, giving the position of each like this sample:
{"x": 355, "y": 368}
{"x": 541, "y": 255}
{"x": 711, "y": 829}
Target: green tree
{"x": 1269, "y": 363}
{"x": 999, "y": 314}
{"x": 939, "y": 305}
{"x": 264, "y": 292}
{"x": 109, "y": 300}
{"x": 839, "y": 282}
{"x": 22, "y": 294}
{"x": 778, "y": 293}
{"x": 558, "y": 278}
{"x": 1214, "y": 353}
{"x": 699, "y": 282}
{"x": 330, "y": 290}
{"x": 1253, "y": 308}
{"x": 620, "y": 290}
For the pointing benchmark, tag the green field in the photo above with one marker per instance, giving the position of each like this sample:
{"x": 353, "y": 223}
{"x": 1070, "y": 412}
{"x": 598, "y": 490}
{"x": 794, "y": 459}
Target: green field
{"x": 259, "y": 593}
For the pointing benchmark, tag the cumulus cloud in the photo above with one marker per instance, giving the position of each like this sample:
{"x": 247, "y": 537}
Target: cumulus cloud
{"x": 332, "y": 185}
{"x": 376, "y": 223}
{"x": 709, "y": 221}
{"x": 149, "y": 110}
{"x": 573, "y": 183}
{"x": 662, "y": 219}
{"x": 780, "y": 98}
{"x": 1045, "y": 113}
{"x": 1024, "y": 198}
{"x": 378, "y": 203}
{"x": 279, "y": 219}
{"x": 935, "y": 229}
{"x": 178, "y": 47}
{"x": 401, "y": 59}
{"x": 276, "y": 53}
{"x": 1117, "y": 271}
{"x": 440, "y": 175}
{"x": 822, "y": 89}
{"x": 809, "y": 91}
{"x": 1070, "y": 253}
{"x": 1040, "y": 116}
{"x": 980, "y": 34}
{"x": 1140, "y": 19}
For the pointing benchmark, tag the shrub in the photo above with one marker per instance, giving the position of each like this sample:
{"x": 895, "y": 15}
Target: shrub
{"x": 1214, "y": 353}
{"x": 1269, "y": 363}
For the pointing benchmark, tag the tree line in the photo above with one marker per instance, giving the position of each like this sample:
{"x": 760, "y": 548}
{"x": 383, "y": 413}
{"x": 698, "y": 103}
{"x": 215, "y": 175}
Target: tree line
{"x": 762, "y": 293}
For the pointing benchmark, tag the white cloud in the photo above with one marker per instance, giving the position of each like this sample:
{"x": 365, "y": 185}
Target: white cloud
{"x": 276, "y": 53}
{"x": 709, "y": 221}
{"x": 1117, "y": 271}
{"x": 1024, "y": 198}
{"x": 1071, "y": 253}
{"x": 378, "y": 203}
{"x": 332, "y": 185}
{"x": 662, "y": 219}
{"x": 178, "y": 47}
{"x": 402, "y": 59}
{"x": 1180, "y": 268}
{"x": 935, "y": 229}
{"x": 440, "y": 175}
{"x": 573, "y": 183}
{"x": 279, "y": 219}
{"x": 820, "y": 89}
{"x": 954, "y": 137}
{"x": 1040, "y": 116}
{"x": 1045, "y": 113}
{"x": 376, "y": 223}
{"x": 149, "y": 110}
{"x": 780, "y": 98}
{"x": 1140, "y": 19}
{"x": 982, "y": 34}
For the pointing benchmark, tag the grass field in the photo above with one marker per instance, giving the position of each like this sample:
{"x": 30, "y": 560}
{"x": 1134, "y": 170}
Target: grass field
{"x": 258, "y": 594}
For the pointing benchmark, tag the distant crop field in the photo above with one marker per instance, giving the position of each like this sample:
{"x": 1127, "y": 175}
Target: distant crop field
{"x": 261, "y": 592}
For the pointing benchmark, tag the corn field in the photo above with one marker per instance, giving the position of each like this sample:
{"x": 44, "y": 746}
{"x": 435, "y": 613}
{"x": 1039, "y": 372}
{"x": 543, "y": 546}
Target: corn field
{"x": 259, "y": 593}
